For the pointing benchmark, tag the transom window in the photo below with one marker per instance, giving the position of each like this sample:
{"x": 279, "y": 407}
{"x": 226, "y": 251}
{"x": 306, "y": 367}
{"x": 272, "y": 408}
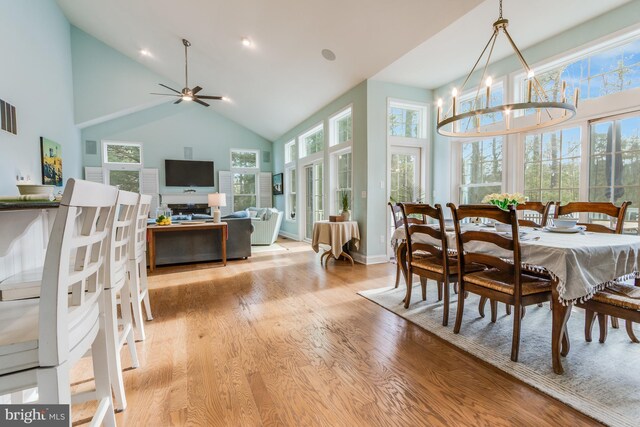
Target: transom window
{"x": 552, "y": 166}
{"x": 481, "y": 169}
{"x": 312, "y": 141}
{"x": 407, "y": 120}
{"x": 290, "y": 151}
{"x": 244, "y": 159}
{"x": 468, "y": 102}
{"x": 122, "y": 164}
{"x": 341, "y": 128}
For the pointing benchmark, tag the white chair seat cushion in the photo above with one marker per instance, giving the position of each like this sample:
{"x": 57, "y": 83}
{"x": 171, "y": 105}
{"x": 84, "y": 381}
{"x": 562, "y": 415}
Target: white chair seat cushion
{"x": 19, "y": 338}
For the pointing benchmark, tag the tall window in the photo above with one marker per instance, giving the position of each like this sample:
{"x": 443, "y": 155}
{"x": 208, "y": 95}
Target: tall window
{"x": 407, "y": 120}
{"x": 481, "y": 169}
{"x": 343, "y": 179}
{"x": 290, "y": 151}
{"x": 245, "y": 166}
{"x": 291, "y": 184}
{"x": 614, "y": 165}
{"x": 311, "y": 142}
{"x": 552, "y": 166}
{"x": 597, "y": 73}
{"x": 468, "y": 102}
{"x": 122, "y": 162}
{"x": 340, "y": 165}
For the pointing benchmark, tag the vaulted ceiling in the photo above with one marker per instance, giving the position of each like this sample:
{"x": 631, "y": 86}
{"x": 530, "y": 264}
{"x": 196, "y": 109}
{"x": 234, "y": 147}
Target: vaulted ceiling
{"x": 283, "y": 78}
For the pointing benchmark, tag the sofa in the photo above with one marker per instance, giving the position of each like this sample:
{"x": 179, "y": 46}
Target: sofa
{"x": 198, "y": 246}
{"x": 266, "y": 226}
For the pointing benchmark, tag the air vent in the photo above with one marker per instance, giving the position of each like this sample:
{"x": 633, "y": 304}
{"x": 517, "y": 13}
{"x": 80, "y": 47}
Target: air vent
{"x": 188, "y": 153}
{"x": 266, "y": 157}
{"x": 8, "y": 117}
{"x": 90, "y": 148}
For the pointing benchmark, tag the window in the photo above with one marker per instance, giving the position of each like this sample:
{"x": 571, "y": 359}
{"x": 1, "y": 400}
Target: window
{"x": 122, "y": 163}
{"x": 614, "y": 164}
{"x": 552, "y": 166}
{"x": 312, "y": 142}
{"x": 598, "y": 73}
{"x": 407, "y": 120}
{"x": 290, "y": 151}
{"x": 341, "y": 128}
{"x": 291, "y": 200}
{"x": 342, "y": 179}
{"x": 468, "y": 102}
{"x": 245, "y": 166}
{"x": 481, "y": 169}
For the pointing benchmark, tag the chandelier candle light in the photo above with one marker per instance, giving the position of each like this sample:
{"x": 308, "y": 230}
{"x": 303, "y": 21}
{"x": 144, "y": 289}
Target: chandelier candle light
{"x": 215, "y": 201}
{"x": 547, "y": 112}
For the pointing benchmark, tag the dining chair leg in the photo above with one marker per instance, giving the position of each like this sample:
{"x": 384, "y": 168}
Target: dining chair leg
{"x": 629, "y": 326}
{"x": 481, "y": 304}
{"x": 423, "y": 284}
{"x": 407, "y": 298}
{"x": 460, "y": 310}
{"x": 507, "y": 308}
{"x": 440, "y": 288}
{"x": 523, "y": 311}
{"x": 589, "y": 318}
{"x": 113, "y": 350}
{"x": 54, "y": 385}
{"x": 125, "y": 310}
{"x": 603, "y": 322}
{"x": 494, "y": 310}
{"x": 144, "y": 287}
{"x": 614, "y": 323}
{"x": 515, "y": 344}
{"x": 456, "y": 288}
{"x": 100, "y": 361}
{"x": 447, "y": 297}
{"x": 397, "y": 273}
{"x": 566, "y": 345}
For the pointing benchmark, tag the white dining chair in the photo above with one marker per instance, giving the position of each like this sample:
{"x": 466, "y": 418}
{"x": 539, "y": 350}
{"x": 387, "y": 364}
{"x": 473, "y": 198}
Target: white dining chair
{"x": 43, "y": 338}
{"x": 117, "y": 291}
{"x": 138, "y": 267}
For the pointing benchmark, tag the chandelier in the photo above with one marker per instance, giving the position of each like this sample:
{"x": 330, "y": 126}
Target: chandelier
{"x": 544, "y": 111}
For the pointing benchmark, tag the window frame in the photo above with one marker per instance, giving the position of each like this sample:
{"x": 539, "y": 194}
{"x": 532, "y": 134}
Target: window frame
{"x": 423, "y": 125}
{"x": 244, "y": 171}
{"x": 456, "y": 158}
{"x": 288, "y": 179}
{"x": 333, "y": 128}
{"x": 302, "y": 149}
{"x": 108, "y": 167}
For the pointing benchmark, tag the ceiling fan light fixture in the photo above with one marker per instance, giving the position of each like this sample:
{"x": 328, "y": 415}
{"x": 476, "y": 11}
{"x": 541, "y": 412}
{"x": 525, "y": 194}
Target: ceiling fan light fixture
{"x": 187, "y": 98}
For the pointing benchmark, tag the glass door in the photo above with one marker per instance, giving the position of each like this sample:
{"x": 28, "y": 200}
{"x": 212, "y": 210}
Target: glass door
{"x": 405, "y": 174}
{"x": 314, "y": 197}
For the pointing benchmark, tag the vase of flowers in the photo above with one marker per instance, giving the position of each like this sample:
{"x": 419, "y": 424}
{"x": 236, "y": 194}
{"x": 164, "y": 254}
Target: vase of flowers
{"x": 503, "y": 200}
{"x": 344, "y": 201}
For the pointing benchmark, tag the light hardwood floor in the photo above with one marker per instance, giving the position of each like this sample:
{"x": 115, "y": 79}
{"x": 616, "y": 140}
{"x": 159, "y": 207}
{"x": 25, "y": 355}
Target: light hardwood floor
{"x": 278, "y": 340}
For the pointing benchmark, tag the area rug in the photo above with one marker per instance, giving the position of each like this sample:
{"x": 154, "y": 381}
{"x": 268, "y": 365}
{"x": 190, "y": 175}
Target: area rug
{"x": 271, "y": 248}
{"x": 600, "y": 380}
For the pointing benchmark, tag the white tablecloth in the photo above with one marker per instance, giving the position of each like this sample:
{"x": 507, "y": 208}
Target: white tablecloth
{"x": 582, "y": 263}
{"x": 335, "y": 234}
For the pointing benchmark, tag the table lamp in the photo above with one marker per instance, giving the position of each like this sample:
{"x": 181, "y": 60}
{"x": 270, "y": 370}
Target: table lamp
{"x": 215, "y": 201}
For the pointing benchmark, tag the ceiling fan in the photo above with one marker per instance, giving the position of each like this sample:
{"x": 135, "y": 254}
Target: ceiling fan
{"x": 187, "y": 94}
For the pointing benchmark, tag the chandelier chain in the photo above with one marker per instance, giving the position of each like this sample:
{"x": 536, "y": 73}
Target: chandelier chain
{"x": 500, "y": 9}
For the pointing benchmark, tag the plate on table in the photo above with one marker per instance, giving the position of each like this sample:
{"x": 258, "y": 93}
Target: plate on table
{"x": 568, "y": 230}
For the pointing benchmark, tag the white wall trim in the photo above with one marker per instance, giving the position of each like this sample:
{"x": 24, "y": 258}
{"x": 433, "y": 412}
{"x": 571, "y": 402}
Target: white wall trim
{"x": 368, "y": 260}
{"x": 289, "y": 235}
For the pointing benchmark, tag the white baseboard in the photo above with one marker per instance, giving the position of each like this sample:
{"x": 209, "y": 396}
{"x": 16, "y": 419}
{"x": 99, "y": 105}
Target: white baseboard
{"x": 368, "y": 260}
{"x": 289, "y": 235}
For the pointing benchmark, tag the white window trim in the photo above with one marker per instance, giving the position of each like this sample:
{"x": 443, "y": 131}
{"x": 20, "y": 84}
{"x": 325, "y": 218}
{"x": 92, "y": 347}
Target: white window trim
{"x": 423, "y": 129}
{"x": 456, "y": 166}
{"x": 302, "y": 149}
{"x": 287, "y": 182}
{"x": 244, "y": 169}
{"x": 121, "y": 166}
{"x": 333, "y": 180}
{"x": 333, "y": 129}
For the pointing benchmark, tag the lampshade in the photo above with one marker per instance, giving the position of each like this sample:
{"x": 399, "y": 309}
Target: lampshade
{"x": 217, "y": 199}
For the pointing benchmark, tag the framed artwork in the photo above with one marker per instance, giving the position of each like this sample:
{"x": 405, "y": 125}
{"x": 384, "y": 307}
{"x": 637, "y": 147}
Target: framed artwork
{"x": 277, "y": 184}
{"x": 51, "y": 162}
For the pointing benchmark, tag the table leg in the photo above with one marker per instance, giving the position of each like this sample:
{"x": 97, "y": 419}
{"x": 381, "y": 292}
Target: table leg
{"x": 224, "y": 245}
{"x": 559, "y": 343}
{"x": 152, "y": 251}
{"x": 326, "y": 255}
{"x": 401, "y": 258}
{"x": 347, "y": 256}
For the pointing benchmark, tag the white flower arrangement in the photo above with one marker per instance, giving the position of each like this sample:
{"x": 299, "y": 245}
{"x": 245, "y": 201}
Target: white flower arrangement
{"x": 503, "y": 200}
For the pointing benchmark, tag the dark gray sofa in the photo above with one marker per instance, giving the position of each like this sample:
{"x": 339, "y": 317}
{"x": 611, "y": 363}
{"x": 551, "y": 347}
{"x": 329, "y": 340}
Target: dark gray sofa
{"x": 204, "y": 245}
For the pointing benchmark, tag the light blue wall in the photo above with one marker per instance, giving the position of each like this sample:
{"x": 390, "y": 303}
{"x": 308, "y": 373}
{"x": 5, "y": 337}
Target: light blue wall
{"x": 165, "y": 130}
{"x": 108, "y": 83}
{"x": 358, "y": 98}
{"x": 615, "y": 20}
{"x": 378, "y": 94}
{"x": 35, "y": 77}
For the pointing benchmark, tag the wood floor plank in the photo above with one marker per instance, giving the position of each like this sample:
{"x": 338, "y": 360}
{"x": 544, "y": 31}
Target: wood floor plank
{"x": 277, "y": 340}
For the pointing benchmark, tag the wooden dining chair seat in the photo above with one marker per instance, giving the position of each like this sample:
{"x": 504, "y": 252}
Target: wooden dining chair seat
{"x": 435, "y": 264}
{"x": 398, "y": 221}
{"x": 503, "y": 282}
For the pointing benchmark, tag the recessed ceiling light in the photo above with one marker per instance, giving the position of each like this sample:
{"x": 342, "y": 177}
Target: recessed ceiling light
{"x": 328, "y": 54}
{"x": 145, "y": 52}
{"x": 246, "y": 42}
{"x": 226, "y": 98}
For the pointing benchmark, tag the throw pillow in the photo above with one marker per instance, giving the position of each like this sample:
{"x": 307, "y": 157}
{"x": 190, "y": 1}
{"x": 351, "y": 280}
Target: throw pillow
{"x": 238, "y": 214}
{"x": 201, "y": 216}
{"x": 252, "y": 214}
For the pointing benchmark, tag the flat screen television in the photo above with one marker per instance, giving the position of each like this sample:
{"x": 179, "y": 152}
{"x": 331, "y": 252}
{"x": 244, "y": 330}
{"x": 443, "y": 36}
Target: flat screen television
{"x": 188, "y": 173}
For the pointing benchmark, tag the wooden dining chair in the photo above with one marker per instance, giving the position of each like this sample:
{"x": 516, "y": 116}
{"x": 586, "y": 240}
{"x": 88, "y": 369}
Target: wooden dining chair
{"x": 43, "y": 338}
{"x": 502, "y": 281}
{"x": 428, "y": 254}
{"x": 615, "y": 213}
{"x": 620, "y": 300}
{"x": 117, "y": 292}
{"x": 398, "y": 221}
{"x": 137, "y": 274}
{"x": 541, "y": 208}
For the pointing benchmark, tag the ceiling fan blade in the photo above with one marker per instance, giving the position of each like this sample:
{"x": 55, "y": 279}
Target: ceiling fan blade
{"x": 176, "y": 91}
{"x": 178, "y": 101}
{"x": 210, "y": 97}
{"x": 164, "y": 94}
{"x": 200, "y": 102}
{"x": 196, "y": 90}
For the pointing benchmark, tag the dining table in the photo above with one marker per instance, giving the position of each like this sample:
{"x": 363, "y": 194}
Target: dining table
{"x": 579, "y": 264}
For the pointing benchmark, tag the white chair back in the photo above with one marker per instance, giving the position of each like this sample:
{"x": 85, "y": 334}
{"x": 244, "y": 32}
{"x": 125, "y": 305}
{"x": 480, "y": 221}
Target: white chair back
{"x": 73, "y": 275}
{"x": 139, "y": 246}
{"x": 121, "y": 239}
